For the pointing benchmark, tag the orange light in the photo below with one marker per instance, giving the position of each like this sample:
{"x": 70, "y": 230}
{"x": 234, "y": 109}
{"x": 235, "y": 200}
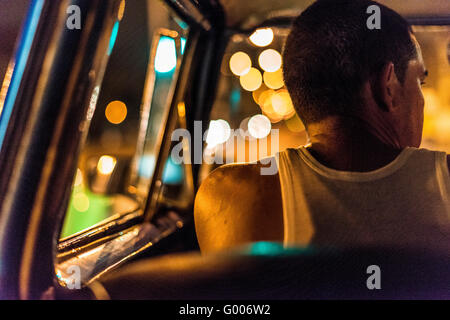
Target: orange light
{"x": 121, "y": 10}
{"x": 181, "y": 110}
{"x": 116, "y": 112}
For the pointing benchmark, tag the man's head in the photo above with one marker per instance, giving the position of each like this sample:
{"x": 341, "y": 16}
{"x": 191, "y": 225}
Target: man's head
{"x": 334, "y": 65}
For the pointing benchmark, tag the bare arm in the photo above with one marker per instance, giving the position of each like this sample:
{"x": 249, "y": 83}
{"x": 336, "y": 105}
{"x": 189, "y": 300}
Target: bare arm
{"x": 237, "y": 205}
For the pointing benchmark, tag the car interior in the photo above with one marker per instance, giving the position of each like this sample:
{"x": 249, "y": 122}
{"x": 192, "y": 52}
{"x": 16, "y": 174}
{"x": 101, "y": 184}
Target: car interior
{"x": 98, "y": 131}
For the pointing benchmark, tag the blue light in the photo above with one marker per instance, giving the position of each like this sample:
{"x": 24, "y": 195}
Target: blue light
{"x": 166, "y": 55}
{"x": 21, "y": 59}
{"x": 112, "y": 40}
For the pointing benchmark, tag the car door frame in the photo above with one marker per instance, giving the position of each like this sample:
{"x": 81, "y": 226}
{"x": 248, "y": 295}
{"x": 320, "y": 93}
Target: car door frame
{"x": 47, "y": 126}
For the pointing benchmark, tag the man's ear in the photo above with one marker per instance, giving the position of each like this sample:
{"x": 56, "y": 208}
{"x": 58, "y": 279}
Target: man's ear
{"x": 384, "y": 87}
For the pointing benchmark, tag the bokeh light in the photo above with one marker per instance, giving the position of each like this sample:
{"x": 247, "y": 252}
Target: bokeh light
{"x": 166, "y": 55}
{"x": 181, "y": 109}
{"x": 270, "y": 60}
{"x": 80, "y": 202}
{"x": 269, "y": 111}
{"x": 263, "y": 97}
{"x": 240, "y": 63}
{"x": 78, "y": 178}
{"x": 262, "y": 37}
{"x": 121, "y": 10}
{"x": 257, "y": 93}
{"x": 106, "y": 164}
{"x": 274, "y": 80}
{"x": 259, "y": 126}
{"x": 282, "y": 104}
{"x": 219, "y": 131}
{"x": 116, "y": 112}
{"x": 252, "y": 80}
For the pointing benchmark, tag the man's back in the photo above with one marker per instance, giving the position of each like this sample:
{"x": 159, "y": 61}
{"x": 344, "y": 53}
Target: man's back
{"x": 405, "y": 203}
{"x": 402, "y": 204}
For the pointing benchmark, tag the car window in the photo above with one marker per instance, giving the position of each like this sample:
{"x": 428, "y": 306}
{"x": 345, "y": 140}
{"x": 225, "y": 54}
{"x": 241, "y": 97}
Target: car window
{"x": 117, "y": 163}
{"x": 252, "y": 107}
{"x": 252, "y": 116}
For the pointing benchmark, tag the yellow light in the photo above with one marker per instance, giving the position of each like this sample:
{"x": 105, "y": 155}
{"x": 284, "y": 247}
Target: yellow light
{"x": 106, "y": 164}
{"x": 181, "y": 110}
{"x": 240, "y": 63}
{"x": 218, "y": 132}
{"x": 274, "y": 80}
{"x": 121, "y": 10}
{"x": 270, "y": 60}
{"x": 252, "y": 80}
{"x": 78, "y": 178}
{"x": 259, "y": 126}
{"x": 282, "y": 104}
{"x": 116, "y": 112}
{"x": 80, "y": 202}
{"x": 262, "y": 37}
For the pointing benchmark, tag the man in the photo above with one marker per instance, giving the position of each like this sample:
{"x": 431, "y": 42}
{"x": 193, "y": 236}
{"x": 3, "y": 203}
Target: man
{"x": 362, "y": 181}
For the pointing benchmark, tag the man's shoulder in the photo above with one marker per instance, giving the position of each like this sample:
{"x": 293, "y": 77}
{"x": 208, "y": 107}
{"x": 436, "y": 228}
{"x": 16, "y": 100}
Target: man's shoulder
{"x": 248, "y": 178}
{"x": 240, "y": 202}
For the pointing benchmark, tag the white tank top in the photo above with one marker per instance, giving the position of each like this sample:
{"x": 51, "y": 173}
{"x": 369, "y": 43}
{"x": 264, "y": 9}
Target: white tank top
{"x": 406, "y": 203}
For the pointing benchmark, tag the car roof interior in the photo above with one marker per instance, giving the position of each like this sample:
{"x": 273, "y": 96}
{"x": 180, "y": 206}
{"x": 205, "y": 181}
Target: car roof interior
{"x": 249, "y": 14}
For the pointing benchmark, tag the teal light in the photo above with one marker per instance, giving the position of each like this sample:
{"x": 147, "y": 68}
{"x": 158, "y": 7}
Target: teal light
{"x": 173, "y": 173}
{"x": 183, "y": 45}
{"x": 235, "y": 99}
{"x": 146, "y": 166}
{"x": 112, "y": 40}
{"x": 266, "y": 248}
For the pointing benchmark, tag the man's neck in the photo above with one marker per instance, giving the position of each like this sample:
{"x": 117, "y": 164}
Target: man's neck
{"x": 349, "y": 145}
